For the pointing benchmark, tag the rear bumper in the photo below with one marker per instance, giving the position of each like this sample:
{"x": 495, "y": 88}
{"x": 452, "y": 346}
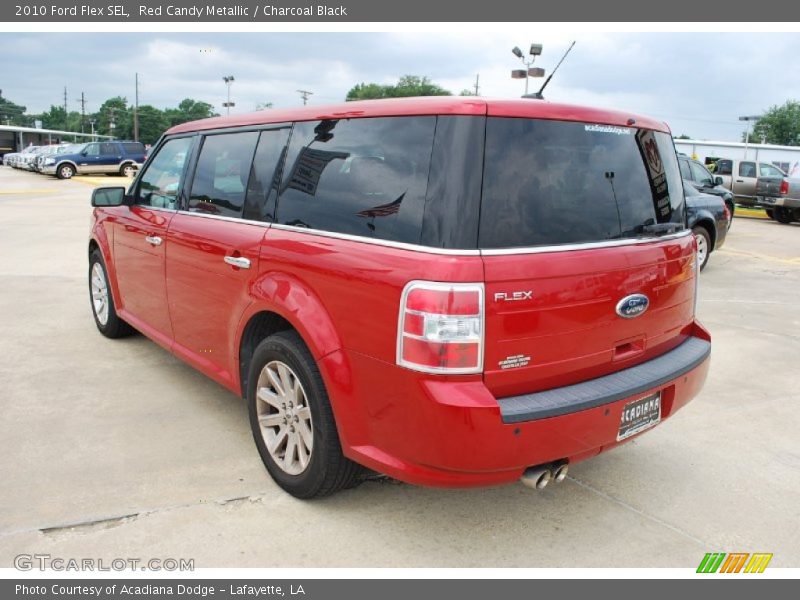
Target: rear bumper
{"x": 770, "y": 201}
{"x": 452, "y": 432}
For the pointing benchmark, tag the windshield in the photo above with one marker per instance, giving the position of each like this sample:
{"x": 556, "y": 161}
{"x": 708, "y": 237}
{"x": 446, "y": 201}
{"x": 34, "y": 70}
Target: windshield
{"x": 558, "y": 182}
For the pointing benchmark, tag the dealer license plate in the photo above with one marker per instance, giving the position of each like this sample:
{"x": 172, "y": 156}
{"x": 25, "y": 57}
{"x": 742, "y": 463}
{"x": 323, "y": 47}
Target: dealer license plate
{"x": 639, "y": 415}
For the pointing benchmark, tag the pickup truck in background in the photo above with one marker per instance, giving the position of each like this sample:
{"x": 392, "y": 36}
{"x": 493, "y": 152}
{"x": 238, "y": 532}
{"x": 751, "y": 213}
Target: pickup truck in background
{"x": 741, "y": 177}
{"x": 780, "y": 196}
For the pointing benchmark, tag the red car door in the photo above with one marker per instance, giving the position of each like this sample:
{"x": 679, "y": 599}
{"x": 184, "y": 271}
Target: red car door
{"x": 140, "y": 241}
{"x": 214, "y": 246}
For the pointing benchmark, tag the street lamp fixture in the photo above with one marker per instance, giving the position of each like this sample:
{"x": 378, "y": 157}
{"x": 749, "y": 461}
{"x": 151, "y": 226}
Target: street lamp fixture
{"x": 748, "y": 119}
{"x": 528, "y": 71}
{"x": 228, "y": 79}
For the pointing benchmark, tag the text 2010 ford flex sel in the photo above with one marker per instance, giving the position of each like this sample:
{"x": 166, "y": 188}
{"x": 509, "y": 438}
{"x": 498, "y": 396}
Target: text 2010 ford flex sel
{"x": 450, "y": 291}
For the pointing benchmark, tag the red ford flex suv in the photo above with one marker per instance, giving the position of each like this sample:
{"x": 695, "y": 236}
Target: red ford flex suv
{"x": 449, "y": 291}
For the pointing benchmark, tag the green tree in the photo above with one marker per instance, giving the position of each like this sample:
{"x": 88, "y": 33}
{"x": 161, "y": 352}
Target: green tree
{"x": 12, "y": 113}
{"x": 114, "y": 110}
{"x": 407, "y": 86}
{"x": 779, "y": 125}
{"x": 466, "y": 92}
{"x": 189, "y": 110}
{"x": 682, "y": 136}
{"x": 152, "y": 123}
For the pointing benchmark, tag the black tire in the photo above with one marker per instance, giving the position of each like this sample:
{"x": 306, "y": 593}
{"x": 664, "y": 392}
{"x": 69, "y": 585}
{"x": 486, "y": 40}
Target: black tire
{"x": 114, "y": 327}
{"x": 65, "y": 171}
{"x": 699, "y": 232}
{"x": 328, "y": 470}
{"x": 770, "y": 213}
{"x": 783, "y": 215}
{"x": 127, "y": 170}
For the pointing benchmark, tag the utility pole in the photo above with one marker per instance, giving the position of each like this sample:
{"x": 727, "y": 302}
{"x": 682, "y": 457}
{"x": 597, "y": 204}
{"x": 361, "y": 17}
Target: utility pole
{"x": 229, "y": 79}
{"x": 136, "y": 112}
{"x": 305, "y": 94}
{"x": 111, "y": 124}
{"x": 83, "y": 112}
{"x": 66, "y": 110}
{"x": 477, "y": 85}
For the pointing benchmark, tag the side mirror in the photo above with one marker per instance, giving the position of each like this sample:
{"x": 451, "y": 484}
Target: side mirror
{"x": 84, "y": 152}
{"x": 108, "y": 196}
{"x": 717, "y": 180}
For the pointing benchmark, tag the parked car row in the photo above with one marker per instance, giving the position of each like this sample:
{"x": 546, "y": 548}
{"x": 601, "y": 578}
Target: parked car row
{"x": 116, "y": 157}
{"x": 757, "y": 184}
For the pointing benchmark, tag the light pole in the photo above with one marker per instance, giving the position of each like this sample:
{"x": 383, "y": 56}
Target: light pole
{"x": 747, "y": 135}
{"x": 528, "y": 71}
{"x": 228, "y": 79}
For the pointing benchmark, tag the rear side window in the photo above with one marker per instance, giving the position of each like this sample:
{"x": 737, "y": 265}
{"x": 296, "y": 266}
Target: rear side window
{"x": 108, "y": 148}
{"x": 556, "y": 182}
{"x": 747, "y": 169}
{"x": 262, "y": 189}
{"x": 220, "y": 178}
{"x": 133, "y": 147}
{"x": 684, "y": 165}
{"x": 364, "y": 177}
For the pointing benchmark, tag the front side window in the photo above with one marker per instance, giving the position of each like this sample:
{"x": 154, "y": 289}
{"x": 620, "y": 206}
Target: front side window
{"x": 365, "y": 177}
{"x": 700, "y": 174}
{"x": 724, "y": 167}
{"x": 556, "y": 182}
{"x": 220, "y": 178}
{"x": 92, "y": 149}
{"x": 158, "y": 186}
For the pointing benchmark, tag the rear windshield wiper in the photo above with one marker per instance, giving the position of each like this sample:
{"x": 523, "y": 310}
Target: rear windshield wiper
{"x": 659, "y": 228}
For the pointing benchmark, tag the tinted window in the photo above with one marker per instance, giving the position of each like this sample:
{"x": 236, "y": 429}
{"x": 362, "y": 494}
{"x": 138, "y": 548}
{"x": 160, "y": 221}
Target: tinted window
{"x": 747, "y": 169}
{"x": 724, "y": 167}
{"x": 765, "y": 170}
{"x": 220, "y": 178}
{"x": 158, "y": 185}
{"x": 133, "y": 147}
{"x": 363, "y": 177}
{"x": 107, "y": 149}
{"x": 685, "y": 172}
{"x": 555, "y": 182}
{"x": 700, "y": 174}
{"x": 262, "y": 189}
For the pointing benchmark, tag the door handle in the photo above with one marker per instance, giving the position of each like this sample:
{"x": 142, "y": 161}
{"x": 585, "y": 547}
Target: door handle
{"x": 238, "y": 261}
{"x": 154, "y": 240}
{"x": 740, "y": 181}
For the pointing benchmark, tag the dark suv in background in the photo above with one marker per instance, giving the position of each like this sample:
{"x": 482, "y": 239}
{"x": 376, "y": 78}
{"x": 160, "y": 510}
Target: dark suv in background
{"x": 696, "y": 174}
{"x": 117, "y": 157}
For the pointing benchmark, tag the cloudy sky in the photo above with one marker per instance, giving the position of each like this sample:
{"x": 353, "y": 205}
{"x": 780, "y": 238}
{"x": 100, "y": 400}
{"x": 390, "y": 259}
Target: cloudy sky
{"x": 698, "y": 82}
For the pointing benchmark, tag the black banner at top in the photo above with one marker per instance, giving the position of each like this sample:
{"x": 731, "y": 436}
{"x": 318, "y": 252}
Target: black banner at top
{"x": 143, "y": 11}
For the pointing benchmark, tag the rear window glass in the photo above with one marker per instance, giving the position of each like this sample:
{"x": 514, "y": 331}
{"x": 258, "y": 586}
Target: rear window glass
{"x": 557, "y": 182}
{"x": 364, "y": 177}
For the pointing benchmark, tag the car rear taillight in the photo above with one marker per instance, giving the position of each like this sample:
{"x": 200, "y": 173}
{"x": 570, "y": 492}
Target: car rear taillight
{"x": 727, "y": 212}
{"x": 784, "y": 191}
{"x": 440, "y": 328}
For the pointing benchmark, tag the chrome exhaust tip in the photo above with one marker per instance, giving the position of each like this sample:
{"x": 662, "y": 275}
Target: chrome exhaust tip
{"x": 536, "y": 478}
{"x": 560, "y": 472}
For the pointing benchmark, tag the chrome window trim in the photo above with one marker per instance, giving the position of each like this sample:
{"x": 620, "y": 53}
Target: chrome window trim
{"x": 264, "y": 224}
{"x": 584, "y": 245}
{"x": 367, "y": 240}
{"x": 485, "y": 252}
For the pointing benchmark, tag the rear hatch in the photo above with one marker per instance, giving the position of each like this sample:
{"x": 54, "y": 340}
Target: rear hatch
{"x": 582, "y": 225}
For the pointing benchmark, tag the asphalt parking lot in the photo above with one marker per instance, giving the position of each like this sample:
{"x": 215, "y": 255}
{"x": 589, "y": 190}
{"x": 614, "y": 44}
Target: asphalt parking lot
{"x": 117, "y": 449}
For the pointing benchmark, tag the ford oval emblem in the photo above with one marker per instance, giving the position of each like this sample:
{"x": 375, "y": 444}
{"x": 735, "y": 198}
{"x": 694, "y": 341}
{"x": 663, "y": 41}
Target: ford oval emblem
{"x": 632, "y": 306}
